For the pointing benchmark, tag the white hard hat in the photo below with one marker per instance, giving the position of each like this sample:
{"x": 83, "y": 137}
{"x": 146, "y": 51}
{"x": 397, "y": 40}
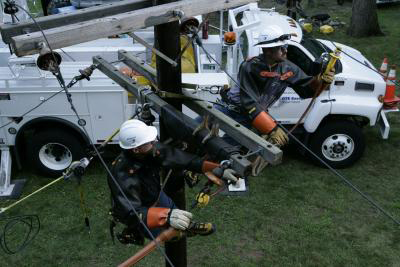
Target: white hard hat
{"x": 134, "y": 133}
{"x": 272, "y": 36}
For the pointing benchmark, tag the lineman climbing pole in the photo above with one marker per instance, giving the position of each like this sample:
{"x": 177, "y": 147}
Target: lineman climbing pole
{"x": 169, "y": 79}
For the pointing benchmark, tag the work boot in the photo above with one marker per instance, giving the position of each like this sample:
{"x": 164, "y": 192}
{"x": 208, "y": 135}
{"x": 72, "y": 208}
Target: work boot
{"x": 203, "y": 229}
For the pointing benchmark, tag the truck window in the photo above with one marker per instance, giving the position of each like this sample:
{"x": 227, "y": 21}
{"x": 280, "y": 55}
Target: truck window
{"x": 295, "y": 55}
{"x": 316, "y": 48}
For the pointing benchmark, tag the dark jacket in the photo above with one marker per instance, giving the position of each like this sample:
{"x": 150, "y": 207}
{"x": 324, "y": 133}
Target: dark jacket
{"x": 139, "y": 179}
{"x": 267, "y": 85}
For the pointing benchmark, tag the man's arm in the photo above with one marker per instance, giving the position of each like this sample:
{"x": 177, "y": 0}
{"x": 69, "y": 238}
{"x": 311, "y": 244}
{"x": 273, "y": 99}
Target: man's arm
{"x": 153, "y": 217}
{"x": 174, "y": 158}
{"x": 307, "y": 86}
{"x": 130, "y": 184}
{"x": 259, "y": 118}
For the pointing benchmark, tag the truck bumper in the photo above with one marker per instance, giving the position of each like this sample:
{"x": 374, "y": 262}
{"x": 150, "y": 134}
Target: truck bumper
{"x": 383, "y": 122}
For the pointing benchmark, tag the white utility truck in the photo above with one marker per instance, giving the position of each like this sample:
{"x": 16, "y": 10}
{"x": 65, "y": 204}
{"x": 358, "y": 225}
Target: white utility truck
{"x": 333, "y": 127}
{"x": 50, "y": 137}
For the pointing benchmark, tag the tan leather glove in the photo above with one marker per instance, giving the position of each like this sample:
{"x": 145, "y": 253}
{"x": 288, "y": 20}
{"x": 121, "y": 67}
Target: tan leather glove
{"x": 179, "y": 219}
{"x": 328, "y": 76}
{"x": 277, "y": 137}
{"x": 230, "y": 175}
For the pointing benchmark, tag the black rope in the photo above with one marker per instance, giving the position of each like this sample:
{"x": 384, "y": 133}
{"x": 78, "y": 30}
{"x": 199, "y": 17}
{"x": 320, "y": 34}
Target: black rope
{"x": 32, "y": 223}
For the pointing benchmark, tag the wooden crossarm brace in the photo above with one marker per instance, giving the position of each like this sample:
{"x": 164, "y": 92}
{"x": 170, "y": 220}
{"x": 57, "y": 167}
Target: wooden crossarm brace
{"x": 93, "y": 29}
{"x": 58, "y": 20}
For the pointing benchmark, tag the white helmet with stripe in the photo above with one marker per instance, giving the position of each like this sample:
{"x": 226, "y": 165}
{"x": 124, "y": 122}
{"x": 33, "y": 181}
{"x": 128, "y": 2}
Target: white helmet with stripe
{"x": 272, "y": 36}
{"x": 134, "y": 133}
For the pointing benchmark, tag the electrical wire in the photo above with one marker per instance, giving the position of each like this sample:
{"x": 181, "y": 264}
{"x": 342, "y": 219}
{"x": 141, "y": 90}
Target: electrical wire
{"x": 347, "y": 182}
{"x": 62, "y": 84}
{"x": 32, "y": 222}
{"x": 362, "y": 63}
{"x": 350, "y": 56}
{"x": 32, "y": 109}
{"x": 119, "y": 188}
{"x": 64, "y": 176}
{"x": 68, "y": 55}
{"x": 72, "y": 82}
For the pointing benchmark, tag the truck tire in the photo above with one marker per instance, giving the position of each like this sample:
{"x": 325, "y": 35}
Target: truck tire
{"x": 339, "y": 143}
{"x": 52, "y": 151}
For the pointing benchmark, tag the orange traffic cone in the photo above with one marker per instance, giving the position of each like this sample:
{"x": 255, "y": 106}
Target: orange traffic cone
{"x": 384, "y": 67}
{"x": 390, "y": 99}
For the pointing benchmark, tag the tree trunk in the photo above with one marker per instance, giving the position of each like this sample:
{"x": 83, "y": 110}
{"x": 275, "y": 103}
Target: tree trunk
{"x": 364, "y": 19}
{"x": 291, "y": 11}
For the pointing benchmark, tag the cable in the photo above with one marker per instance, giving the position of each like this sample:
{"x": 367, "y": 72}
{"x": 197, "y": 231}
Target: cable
{"x": 366, "y": 197}
{"x": 350, "y": 56}
{"x": 30, "y": 221}
{"x": 72, "y": 82}
{"x": 353, "y": 187}
{"x": 35, "y": 107}
{"x": 62, "y": 84}
{"x": 367, "y": 66}
{"x": 122, "y": 192}
{"x": 64, "y": 176}
{"x": 68, "y": 55}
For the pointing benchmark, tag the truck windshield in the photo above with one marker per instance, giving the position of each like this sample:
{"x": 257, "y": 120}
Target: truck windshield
{"x": 314, "y": 47}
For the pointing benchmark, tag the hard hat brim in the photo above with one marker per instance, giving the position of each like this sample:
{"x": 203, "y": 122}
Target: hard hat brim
{"x": 275, "y": 44}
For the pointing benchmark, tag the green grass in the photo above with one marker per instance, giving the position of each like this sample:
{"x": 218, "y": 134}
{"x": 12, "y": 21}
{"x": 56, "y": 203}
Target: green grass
{"x": 295, "y": 215}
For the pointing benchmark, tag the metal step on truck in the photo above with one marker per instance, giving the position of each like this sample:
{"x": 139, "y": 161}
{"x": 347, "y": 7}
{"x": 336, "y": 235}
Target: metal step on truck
{"x": 50, "y": 137}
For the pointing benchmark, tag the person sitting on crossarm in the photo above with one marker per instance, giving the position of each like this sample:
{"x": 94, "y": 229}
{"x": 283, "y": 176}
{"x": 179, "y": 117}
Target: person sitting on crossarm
{"x": 262, "y": 80}
{"x": 137, "y": 172}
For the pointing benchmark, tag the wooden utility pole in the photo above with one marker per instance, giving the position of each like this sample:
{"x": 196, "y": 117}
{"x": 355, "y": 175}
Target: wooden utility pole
{"x": 169, "y": 78}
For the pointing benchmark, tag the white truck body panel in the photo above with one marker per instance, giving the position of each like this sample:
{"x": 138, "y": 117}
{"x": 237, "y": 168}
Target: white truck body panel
{"x": 100, "y": 102}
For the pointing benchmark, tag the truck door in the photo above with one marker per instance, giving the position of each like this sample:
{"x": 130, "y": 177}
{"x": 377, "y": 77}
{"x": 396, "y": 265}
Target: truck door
{"x": 290, "y": 106}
